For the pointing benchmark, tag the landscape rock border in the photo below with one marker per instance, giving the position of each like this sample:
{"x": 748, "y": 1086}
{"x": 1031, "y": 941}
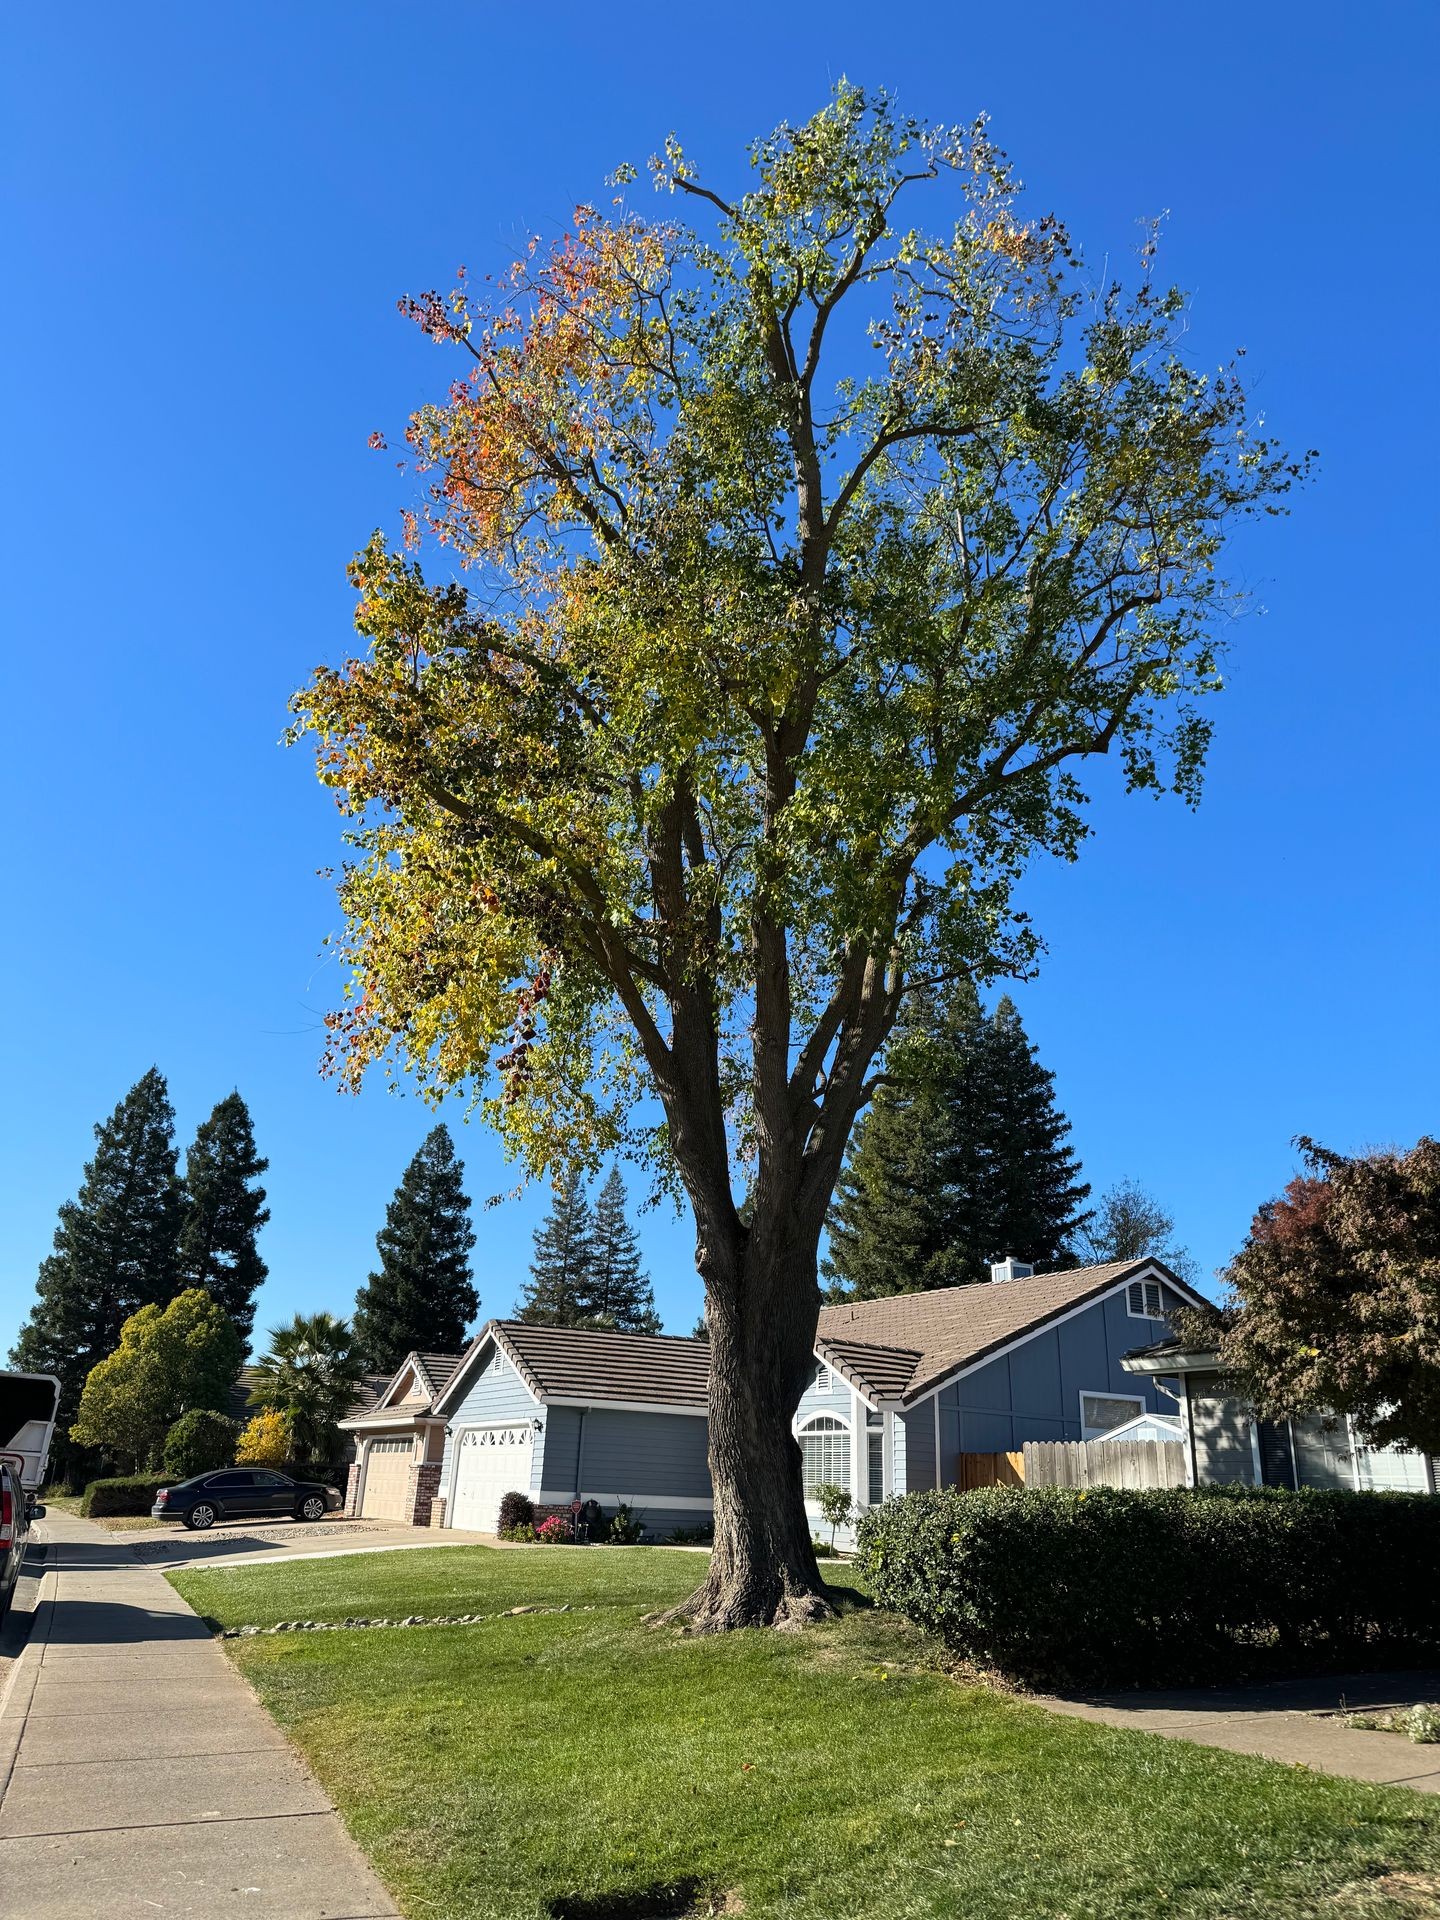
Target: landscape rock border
{"x": 353, "y": 1624}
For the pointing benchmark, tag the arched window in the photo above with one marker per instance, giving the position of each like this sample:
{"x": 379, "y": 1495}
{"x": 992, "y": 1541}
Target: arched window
{"x": 824, "y": 1454}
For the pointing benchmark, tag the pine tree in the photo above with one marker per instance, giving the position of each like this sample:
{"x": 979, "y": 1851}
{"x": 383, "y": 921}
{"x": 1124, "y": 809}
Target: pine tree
{"x": 1036, "y": 1197}
{"x": 963, "y": 1158}
{"x": 894, "y": 1226}
{"x": 561, "y": 1267}
{"x": 618, "y": 1294}
{"x": 422, "y": 1299}
{"x": 116, "y": 1249}
{"x": 225, "y": 1211}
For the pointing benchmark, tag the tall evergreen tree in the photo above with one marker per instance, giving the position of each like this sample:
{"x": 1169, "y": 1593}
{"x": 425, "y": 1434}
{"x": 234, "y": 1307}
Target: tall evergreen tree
{"x": 225, "y": 1210}
{"x": 963, "y": 1158}
{"x": 116, "y": 1249}
{"x": 1036, "y": 1196}
{"x": 562, "y": 1265}
{"x": 422, "y": 1299}
{"x": 618, "y": 1294}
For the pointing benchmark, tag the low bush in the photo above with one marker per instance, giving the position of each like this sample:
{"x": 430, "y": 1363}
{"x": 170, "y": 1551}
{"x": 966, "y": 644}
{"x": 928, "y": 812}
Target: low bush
{"x": 134, "y": 1493}
{"x": 1113, "y": 1587}
{"x": 516, "y": 1510}
{"x": 554, "y": 1532}
{"x": 624, "y": 1528}
{"x": 199, "y": 1442}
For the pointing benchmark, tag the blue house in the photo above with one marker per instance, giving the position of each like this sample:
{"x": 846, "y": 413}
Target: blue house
{"x": 902, "y": 1387}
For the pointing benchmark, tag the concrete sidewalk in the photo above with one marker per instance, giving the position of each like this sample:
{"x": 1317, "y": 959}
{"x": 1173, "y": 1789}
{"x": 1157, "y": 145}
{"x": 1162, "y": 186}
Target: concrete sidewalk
{"x": 139, "y": 1776}
{"x": 1300, "y": 1722}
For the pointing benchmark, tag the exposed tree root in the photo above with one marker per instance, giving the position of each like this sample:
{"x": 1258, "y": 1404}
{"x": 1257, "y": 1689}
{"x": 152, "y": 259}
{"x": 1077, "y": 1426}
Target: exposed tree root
{"x": 727, "y": 1609}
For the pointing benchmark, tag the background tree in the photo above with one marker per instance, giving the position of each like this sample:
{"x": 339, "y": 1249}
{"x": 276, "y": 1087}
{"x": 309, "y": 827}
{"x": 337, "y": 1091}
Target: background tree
{"x": 116, "y": 1249}
{"x": 422, "y": 1299}
{"x": 812, "y": 552}
{"x": 224, "y": 1212}
{"x": 961, "y": 1159}
{"x": 1130, "y": 1224}
{"x": 617, "y": 1292}
{"x": 1337, "y": 1296}
{"x": 199, "y": 1442}
{"x": 170, "y": 1359}
{"x": 309, "y": 1375}
{"x": 562, "y": 1265}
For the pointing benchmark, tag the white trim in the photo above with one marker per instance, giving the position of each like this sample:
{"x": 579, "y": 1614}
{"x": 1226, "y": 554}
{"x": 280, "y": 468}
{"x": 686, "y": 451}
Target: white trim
{"x": 443, "y": 1402}
{"x": 859, "y": 1454}
{"x": 685, "y": 1503}
{"x": 1255, "y": 1460}
{"x": 1295, "y": 1458}
{"x": 625, "y": 1406}
{"x": 935, "y": 1397}
{"x": 1044, "y": 1326}
{"x": 822, "y": 1413}
{"x": 1354, "y": 1454}
{"x": 887, "y": 1453}
{"x": 1192, "y": 1465}
{"x": 1103, "y": 1393}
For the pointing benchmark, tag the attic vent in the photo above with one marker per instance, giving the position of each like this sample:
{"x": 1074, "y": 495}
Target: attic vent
{"x": 1010, "y": 1269}
{"x": 1144, "y": 1300}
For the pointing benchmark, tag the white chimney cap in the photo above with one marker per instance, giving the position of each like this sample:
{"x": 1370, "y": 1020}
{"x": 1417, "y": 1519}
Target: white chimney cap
{"x": 1010, "y": 1269}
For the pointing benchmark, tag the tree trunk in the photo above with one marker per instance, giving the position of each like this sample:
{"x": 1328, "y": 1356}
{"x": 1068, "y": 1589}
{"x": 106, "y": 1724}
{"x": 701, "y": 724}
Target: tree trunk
{"x": 763, "y": 1571}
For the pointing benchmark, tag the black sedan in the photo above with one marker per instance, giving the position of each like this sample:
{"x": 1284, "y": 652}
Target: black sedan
{"x": 244, "y": 1492}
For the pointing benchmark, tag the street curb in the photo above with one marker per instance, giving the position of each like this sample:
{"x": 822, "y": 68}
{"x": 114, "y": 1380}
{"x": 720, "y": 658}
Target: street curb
{"x": 20, "y": 1687}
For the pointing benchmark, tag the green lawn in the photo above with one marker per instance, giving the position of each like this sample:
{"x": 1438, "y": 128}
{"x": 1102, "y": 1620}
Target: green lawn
{"x": 528, "y": 1767}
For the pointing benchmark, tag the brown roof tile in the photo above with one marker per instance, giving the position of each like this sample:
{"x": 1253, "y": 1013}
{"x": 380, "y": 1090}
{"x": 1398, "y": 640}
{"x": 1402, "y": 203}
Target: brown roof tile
{"x": 952, "y": 1327}
{"x": 593, "y": 1363}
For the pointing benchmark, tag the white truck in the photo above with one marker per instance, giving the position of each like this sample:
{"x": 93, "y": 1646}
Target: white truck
{"x": 28, "y": 1403}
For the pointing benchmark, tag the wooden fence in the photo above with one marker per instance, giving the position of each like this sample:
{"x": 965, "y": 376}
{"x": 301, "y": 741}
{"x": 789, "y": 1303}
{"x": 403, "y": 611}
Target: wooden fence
{"x": 991, "y": 1470}
{"x": 1102, "y": 1463}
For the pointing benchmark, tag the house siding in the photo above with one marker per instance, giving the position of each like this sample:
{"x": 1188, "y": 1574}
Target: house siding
{"x": 917, "y": 1447}
{"x": 495, "y": 1393}
{"x": 837, "y": 1398}
{"x": 614, "y": 1453}
{"x": 1033, "y": 1392}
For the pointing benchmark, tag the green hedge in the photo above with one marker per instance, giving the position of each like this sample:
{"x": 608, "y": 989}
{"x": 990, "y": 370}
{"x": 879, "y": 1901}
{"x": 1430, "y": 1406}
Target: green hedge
{"x": 135, "y": 1493}
{"x": 1113, "y": 1587}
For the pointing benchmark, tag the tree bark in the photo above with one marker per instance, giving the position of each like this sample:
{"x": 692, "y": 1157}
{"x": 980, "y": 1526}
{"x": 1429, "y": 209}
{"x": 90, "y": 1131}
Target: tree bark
{"x": 763, "y": 1572}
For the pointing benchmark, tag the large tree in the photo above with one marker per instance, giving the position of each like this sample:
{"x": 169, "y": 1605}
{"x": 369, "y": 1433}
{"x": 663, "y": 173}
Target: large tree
{"x": 116, "y": 1249}
{"x": 562, "y": 1264}
{"x": 793, "y": 566}
{"x": 422, "y": 1299}
{"x": 618, "y": 1291}
{"x": 169, "y": 1360}
{"x": 224, "y": 1212}
{"x": 1336, "y": 1296}
{"x": 962, "y": 1158}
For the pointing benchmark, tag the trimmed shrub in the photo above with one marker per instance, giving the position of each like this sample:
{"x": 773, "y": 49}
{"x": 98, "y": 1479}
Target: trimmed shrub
{"x": 516, "y": 1510}
{"x": 264, "y": 1441}
{"x": 134, "y": 1493}
{"x": 1117, "y": 1587}
{"x": 199, "y": 1442}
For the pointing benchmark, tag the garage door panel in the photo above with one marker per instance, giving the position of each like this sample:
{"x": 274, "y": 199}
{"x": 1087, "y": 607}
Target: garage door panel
{"x": 387, "y": 1479}
{"x": 490, "y": 1462}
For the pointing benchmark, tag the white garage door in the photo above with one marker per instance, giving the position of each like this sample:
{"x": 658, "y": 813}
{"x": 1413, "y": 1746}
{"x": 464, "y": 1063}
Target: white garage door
{"x": 490, "y": 1461}
{"x": 387, "y": 1479}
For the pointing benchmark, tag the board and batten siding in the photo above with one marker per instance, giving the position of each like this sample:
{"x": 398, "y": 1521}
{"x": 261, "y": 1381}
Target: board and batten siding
{"x": 1033, "y": 1392}
{"x": 610, "y": 1453}
{"x": 495, "y": 1394}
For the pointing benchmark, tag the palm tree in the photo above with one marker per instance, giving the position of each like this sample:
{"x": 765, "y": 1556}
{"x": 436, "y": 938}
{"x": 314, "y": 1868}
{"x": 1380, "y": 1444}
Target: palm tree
{"x": 310, "y": 1375}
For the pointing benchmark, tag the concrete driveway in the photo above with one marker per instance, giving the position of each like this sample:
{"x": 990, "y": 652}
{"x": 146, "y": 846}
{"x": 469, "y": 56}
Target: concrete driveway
{"x": 254, "y": 1542}
{"x": 139, "y": 1776}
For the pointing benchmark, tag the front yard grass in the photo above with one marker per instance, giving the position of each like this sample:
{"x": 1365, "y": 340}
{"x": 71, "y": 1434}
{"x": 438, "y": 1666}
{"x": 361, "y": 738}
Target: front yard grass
{"x": 555, "y": 1766}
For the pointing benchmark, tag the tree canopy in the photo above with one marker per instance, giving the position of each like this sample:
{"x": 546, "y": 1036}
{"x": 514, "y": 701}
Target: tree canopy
{"x": 116, "y": 1247}
{"x": 556, "y": 1294}
{"x": 1130, "y": 1224}
{"x": 422, "y": 1298}
{"x": 169, "y": 1361}
{"x": 962, "y": 1158}
{"x": 1336, "y": 1291}
{"x": 224, "y": 1212}
{"x": 794, "y": 562}
{"x": 308, "y": 1374}
{"x": 618, "y": 1291}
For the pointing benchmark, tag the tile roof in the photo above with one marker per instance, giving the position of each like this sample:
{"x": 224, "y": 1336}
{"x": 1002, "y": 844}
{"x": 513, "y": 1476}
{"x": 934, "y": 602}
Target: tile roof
{"x": 951, "y": 1327}
{"x": 367, "y": 1394}
{"x": 593, "y": 1363}
{"x": 439, "y": 1367}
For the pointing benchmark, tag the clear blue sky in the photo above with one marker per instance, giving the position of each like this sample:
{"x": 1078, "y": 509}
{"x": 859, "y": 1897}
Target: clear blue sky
{"x": 209, "y": 214}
